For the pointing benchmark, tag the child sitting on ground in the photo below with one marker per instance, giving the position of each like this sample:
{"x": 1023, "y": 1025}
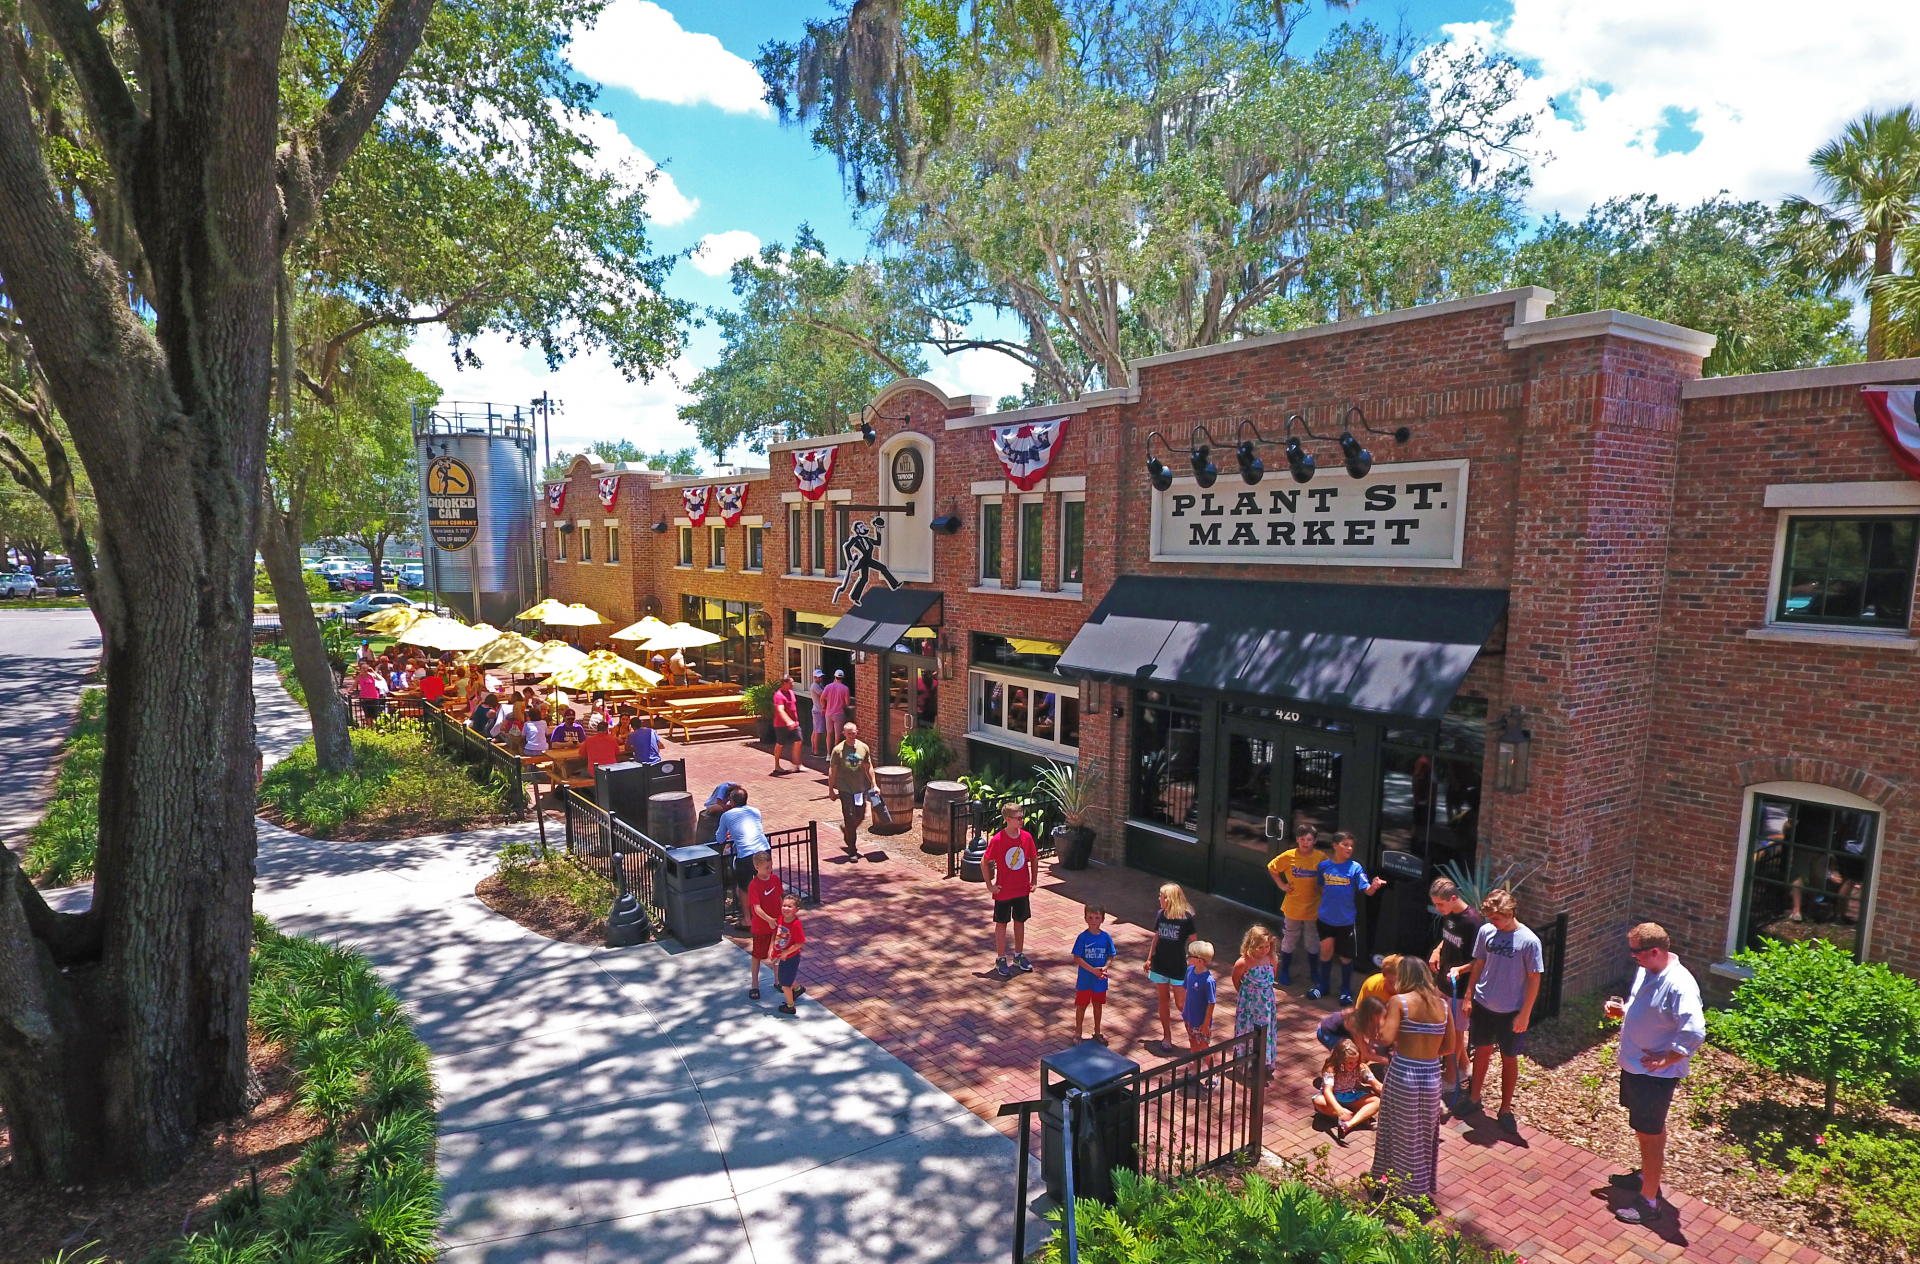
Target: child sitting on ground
{"x": 1349, "y": 1094}
{"x": 1359, "y": 1023}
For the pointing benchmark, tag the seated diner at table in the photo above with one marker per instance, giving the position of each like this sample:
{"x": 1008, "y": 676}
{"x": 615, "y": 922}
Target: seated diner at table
{"x": 644, "y": 742}
{"x": 432, "y": 687}
{"x": 568, "y": 732}
{"x": 600, "y": 747}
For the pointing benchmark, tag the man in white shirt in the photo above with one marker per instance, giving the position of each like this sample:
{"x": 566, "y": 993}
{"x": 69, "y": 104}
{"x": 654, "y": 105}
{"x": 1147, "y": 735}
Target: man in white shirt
{"x": 1663, "y": 1023}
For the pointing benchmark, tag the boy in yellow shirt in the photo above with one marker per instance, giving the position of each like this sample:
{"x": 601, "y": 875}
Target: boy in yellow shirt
{"x": 1297, "y": 873}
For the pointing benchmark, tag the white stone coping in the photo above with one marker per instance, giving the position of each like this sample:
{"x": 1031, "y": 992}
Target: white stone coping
{"x": 1876, "y": 373}
{"x": 713, "y": 480}
{"x": 1890, "y": 494}
{"x": 1836, "y": 638}
{"x": 1611, "y": 324}
{"x": 826, "y": 440}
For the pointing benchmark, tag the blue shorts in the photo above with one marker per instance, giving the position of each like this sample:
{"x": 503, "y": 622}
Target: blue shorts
{"x": 1358, "y": 1095}
{"x": 1161, "y": 978}
{"x": 787, "y": 969}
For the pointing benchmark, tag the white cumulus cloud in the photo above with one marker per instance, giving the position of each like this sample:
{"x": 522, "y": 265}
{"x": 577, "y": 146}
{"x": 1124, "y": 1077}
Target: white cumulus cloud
{"x": 637, "y": 45}
{"x": 977, "y": 372}
{"x": 718, "y": 252}
{"x": 615, "y": 154}
{"x": 1686, "y": 99}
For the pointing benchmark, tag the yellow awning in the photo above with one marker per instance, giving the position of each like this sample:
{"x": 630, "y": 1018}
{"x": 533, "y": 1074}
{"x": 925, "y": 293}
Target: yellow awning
{"x": 1023, "y": 646}
{"x": 918, "y": 634}
{"x": 824, "y": 620}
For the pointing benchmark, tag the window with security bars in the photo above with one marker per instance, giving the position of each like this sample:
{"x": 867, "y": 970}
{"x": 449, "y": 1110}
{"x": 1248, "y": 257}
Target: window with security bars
{"x": 1809, "y": 867}
{"x": 1848, "y": 572}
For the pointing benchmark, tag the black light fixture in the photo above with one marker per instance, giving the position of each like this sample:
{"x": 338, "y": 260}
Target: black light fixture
{"x": 945, "y": 524}
{"x": 1359, "y": 461}
{"x": 1158, "y": 472}
{"x": 867, "y": 431}
{"x": 1205, "y": 472}
{"x": 1512, "y": 752}
{"x": 660, "y": 527}
{"x": 1299, "y": 461}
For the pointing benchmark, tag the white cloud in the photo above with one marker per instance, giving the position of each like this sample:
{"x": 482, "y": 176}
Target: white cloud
{"x": 718, "y": 252}
{"x": 598, "y": 403}
{"x": 617, "y": 155}
{"x": 1761, "y": 82}
{"x": 977, "y": 372}
{"x": 638, "y": 46}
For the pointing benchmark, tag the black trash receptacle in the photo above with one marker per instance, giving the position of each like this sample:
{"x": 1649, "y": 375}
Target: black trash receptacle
{"x": 693, "y": 895}
{"x": 1110, "y": 1139}
{"x": 623, "y": 789}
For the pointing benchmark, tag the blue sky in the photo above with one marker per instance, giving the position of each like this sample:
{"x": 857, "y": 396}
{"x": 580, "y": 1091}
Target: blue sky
{"x": 1681, "y": 99}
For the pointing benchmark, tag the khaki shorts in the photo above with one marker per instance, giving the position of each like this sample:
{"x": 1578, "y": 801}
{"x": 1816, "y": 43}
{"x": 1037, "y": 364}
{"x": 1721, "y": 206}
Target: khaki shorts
{"x": 1296, "y": 932}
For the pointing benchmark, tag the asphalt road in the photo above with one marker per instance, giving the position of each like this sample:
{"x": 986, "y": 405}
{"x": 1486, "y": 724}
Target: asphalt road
{"x": 44, "y": 657}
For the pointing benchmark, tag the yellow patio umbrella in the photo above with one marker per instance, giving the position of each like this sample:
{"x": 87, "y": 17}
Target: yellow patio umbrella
{"x": 539, "y": 613}
{"x": 543, "y": 659}
{"x": 602, "y": 669}
{"x": 502, "y": 647}
{"x": 640, "y": 631}
{"x": 681, "y": 636}
{"x": 394, "y": 619}
{"x": 439, "y": 633}
{"x": 573, "y": 616}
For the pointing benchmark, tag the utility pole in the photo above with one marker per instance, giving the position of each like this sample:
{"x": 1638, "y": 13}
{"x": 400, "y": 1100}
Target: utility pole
{"x": 544, "y": 406}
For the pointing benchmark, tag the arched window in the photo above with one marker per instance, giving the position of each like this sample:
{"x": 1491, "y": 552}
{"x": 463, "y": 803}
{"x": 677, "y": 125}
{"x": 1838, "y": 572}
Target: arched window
{"x": 1809, "y": 855}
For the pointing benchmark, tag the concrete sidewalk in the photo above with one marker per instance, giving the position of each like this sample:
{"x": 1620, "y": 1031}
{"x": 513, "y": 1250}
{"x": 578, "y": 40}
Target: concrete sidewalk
{"x": 634, "y": 1105}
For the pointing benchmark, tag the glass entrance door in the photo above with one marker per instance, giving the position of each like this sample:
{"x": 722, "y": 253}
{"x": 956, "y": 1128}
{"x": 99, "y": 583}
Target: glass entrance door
{"x": 1270, "y": 775}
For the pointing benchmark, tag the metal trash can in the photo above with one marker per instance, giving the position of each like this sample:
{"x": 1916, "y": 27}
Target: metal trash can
{"x": 624, "y": 789}
{"x": 693, "y": 895}
{"x": 1109, "y": 1139}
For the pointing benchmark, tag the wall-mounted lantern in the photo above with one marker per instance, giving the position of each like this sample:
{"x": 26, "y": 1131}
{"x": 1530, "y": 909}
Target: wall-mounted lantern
{"x": 1511, "y": 753}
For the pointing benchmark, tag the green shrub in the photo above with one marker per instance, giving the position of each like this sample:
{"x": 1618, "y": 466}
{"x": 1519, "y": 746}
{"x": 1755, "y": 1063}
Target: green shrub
{"x": 1205, "y": 1222}
{"x": 757, "y": 700}
{"x": 398, "y": 782}
{"x": 1810, "y": 1009}
{"x": 62, "y": 847}
{"x": 926, "y": 753}
{"x": 1871, "y": 1179}
{"x": 531, "y": 875}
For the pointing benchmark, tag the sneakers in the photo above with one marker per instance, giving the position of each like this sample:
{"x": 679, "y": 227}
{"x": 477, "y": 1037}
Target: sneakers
{"x": 1021, "y": 963}
{"x": 1314, "y": 993}
{"x": 1638, "y": 1211}
{"x": 1629, "y": 1181}
{"x": 1001, "y": 968}
{"x": 1506, "y": 1121}
{"x": 1346, "y": 998}
{"x": 787, "y": 1009}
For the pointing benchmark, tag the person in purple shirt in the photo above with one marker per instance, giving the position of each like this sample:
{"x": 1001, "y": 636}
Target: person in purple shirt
{"x": 644, "y": 742}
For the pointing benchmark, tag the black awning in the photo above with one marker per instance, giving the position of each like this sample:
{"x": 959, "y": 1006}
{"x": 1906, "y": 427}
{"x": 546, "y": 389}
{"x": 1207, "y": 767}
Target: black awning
{"x": 881, "y": 618}
{"x": 1388, "y": 649}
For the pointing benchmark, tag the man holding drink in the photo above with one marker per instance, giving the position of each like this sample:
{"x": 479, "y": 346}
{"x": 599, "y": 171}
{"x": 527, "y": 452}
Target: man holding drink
{"x": 1662, "y": 1024}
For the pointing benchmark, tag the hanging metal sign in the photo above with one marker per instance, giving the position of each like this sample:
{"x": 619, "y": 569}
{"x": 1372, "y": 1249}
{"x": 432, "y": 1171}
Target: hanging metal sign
{"x": 453, "y": 507}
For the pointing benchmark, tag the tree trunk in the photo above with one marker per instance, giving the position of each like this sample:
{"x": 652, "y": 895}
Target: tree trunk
{"x": 1877, "y": 298}
{"x": 280, "y": 549}
{"x": 377, "y": 554}
{"x": 1833, "y": 1096}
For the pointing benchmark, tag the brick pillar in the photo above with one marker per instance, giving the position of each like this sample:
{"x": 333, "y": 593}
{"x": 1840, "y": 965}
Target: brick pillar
{"x": 1595, "y": 504}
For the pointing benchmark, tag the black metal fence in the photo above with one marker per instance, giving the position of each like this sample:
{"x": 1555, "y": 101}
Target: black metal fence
{"x": 796, "y": 859}
{"x": 1553, "y": 952}
{"x": 1199, "y": 1110}
{"x": 487, "y": 761}
{"x": 629, "y": 860}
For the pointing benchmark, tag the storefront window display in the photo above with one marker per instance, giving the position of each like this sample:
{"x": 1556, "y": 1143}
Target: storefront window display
{"x": 740, "y": 657}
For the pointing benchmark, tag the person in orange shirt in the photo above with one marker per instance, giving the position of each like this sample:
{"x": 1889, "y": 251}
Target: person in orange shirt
{"x": 600, "y": 747}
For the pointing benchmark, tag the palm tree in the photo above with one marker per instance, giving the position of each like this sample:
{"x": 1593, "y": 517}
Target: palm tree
{"x": 1870, "y": 175}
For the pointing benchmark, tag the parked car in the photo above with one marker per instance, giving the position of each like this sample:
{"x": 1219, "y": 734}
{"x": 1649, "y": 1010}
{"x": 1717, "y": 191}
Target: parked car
{"x": 374, "y": 603}
{"x": 19, "y": 584}
{"x": 413, "y": 576}
{"x": 63, "y": 582}
{"x": 359, "y": 581}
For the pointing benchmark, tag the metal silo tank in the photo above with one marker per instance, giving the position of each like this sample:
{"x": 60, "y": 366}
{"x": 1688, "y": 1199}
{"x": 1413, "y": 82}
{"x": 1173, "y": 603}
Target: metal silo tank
{"x": 483, "y": 567}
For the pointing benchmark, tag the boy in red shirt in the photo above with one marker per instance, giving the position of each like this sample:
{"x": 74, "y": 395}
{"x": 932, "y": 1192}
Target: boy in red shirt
{"x": 1009, "y": 865}
{"x": 788, "y": 939}
{"x": 764, "y": 898}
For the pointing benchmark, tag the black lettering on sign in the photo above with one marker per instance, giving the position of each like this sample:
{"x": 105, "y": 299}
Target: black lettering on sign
{"x": 1424, "y": 491}
{"x": 1319, "y": 532}
{"x": 1211, "y": 510}
{"x": 1280, "y": 533}
{"x": 1181, "y": 504}
{"x": 1321, "y": 495}
{"x": 1243, "y": 534}
{"x": 1399, "y": 528}
{"x": 1207, "y": 534}
{"x": 1245, "y": 503}
{"x": 1284, "y": 501}
{"x": 1359, "y": 531}
{"x": 1380, "y": 498}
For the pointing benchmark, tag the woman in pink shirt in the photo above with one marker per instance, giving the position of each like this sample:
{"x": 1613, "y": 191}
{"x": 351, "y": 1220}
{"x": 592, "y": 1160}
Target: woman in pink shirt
{"x": 786, "y": 725}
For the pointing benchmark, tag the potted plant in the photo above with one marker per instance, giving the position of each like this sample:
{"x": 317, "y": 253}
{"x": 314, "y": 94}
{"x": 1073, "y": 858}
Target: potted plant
{"x": 758, "y": 701}
{"x": 1070, "y": 788}
{"x": 927, "y": 755}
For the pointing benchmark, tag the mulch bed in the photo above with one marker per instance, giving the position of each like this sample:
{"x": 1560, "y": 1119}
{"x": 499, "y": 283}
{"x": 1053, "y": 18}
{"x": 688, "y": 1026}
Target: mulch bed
{"x": 1727, "y": 1136}
{"x": 124, "y": 1224}
{"x": 553, "y": 916}
{"x": 386, "y": 829}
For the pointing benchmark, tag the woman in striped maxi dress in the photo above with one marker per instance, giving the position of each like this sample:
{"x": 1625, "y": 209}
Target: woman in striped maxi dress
{"x": 1418, "y": 1025}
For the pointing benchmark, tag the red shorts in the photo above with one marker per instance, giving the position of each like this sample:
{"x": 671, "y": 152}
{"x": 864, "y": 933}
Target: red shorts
{"x": 1083, "y": 999}
{"x": 762, "y": 946}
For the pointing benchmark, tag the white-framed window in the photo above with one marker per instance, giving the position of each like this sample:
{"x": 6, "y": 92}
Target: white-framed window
{"x": 717, "y": 551}
{"x": 1844, "y": 569}
{"x": 1031, "y": 540}
{"x": 818, "y": 553}
{"x": 796, "y": 541}
{"x": 756, "y": 549}
{"x": 1809, "y": 861}
{"x": 613, "y": 543}
{"x": 1025, "y": 711}
{"x": 992, "y": 513}
{"x": 585, "y": 530}
{"x": 1073, "y": 539}
{"x": 686, "y": 546}
{"x": 560, "y": 533}
{"x": 802, "y": 658}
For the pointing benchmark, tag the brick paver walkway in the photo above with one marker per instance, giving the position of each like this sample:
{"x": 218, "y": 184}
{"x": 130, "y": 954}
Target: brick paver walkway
{"x": 906, "y": 956}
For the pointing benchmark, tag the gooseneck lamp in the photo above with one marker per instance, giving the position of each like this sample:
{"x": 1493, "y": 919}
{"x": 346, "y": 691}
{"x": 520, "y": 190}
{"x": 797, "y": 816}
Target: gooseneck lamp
{"x": 1358, "y": 460}
{"x": 1157, "y": 472}
{"x": 1205, "y": 472}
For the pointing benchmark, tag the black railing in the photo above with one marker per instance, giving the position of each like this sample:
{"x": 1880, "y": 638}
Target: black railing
{"x": 796, "y": 860}
{"x": 630, "y": 861}
{"x": 1553, "y": 951}
{"x": 488, "y": 762}
{"x": 1202, "y": 1109}
{"x": 964, "y": 820}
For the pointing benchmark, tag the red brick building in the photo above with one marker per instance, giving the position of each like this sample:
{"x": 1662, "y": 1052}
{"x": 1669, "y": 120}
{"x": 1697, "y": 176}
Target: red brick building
{"x": 1647, "y": 635}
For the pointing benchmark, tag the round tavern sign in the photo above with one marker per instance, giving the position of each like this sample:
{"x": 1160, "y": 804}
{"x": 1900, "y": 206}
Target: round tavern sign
{"x": 453, "y": 510}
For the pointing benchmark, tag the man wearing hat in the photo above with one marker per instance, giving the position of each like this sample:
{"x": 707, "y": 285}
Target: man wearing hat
{"x": 819, "y": 724}
{"x": 834, "y": 698}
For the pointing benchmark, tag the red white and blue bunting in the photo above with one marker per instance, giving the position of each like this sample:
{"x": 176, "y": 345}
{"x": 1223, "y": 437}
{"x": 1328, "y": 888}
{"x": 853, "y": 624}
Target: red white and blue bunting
{"x": 556, "y": 497}
{"x": 1897, "y": 410}
{"x": 811, "y": 470}
{"x": 695, "y": 499}
{"x": 1026, "y": 451}
{"x": 609, "y": 491}
{"x": 733, "y": 499}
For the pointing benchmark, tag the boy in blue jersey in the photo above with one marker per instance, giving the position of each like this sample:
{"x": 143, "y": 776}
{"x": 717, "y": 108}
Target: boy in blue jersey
{"x": 1091, "y": 951}
{"x": 1342, "y": 880}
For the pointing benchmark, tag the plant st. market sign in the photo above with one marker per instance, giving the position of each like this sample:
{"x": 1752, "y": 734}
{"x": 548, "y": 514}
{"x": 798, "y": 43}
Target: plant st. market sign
{"x": 1412, "y": 513}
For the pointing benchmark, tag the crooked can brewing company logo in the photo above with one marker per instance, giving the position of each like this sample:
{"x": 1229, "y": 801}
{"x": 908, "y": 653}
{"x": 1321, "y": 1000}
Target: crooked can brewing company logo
{"x": 453, "y": 509}
{"x": 1411, "y": 513}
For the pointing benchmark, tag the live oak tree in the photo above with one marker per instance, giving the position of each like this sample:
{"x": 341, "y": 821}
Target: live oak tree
{"x": 124, "y": 1028}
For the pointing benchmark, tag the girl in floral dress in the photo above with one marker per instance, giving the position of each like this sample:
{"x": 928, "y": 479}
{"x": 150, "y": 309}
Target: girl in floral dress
{"x": 1253, "y": 975}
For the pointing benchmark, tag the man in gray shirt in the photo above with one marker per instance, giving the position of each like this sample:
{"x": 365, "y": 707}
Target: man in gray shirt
{"x": 1663, "y": 1023}
{"x": 1507, "y": 962}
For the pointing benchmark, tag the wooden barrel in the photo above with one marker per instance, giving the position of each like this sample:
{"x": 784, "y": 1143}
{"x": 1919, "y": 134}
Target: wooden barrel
{"x": 896, "y": 791}
{"x": 936, "y": 814}
{"x": 670, "y": 817}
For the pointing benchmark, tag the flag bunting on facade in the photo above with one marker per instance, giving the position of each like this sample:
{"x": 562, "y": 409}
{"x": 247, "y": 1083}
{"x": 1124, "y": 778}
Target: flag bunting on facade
{"x": 1026, "y": 451}
{"x": 733, "y": 499}
{"x": 811, "y": 470}
{"x": 556, "y": 497}
{"x": 1894, "y": 408}
{"x": 609, "y": 491}
{"x": 695, "y": 499}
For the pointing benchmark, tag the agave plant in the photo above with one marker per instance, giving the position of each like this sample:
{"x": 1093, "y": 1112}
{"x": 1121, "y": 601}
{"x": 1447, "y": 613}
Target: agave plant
{"x": 1070, "y": 788}
{"x": 1475, "y": 883}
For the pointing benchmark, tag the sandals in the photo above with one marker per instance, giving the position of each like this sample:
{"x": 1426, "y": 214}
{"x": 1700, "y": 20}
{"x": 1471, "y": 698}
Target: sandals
{"x": 753, "y": 994}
